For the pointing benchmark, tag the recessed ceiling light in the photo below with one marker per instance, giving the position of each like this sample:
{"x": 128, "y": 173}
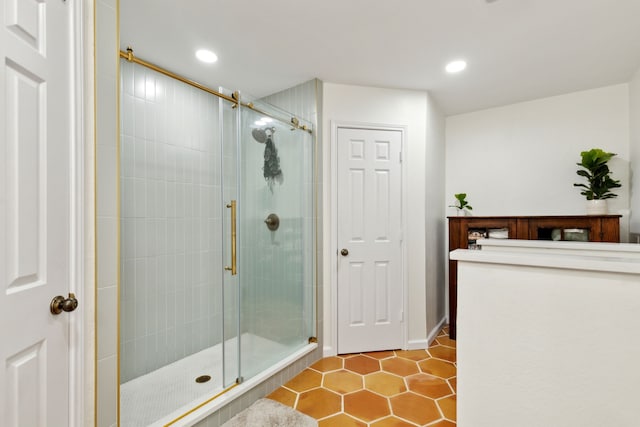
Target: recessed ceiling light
{"x": 456, "y": 66}
{"x": 207, "y": 56}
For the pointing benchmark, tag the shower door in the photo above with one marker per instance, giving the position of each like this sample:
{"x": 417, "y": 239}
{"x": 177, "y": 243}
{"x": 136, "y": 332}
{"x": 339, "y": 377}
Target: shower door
{"x": 275, "y": 240}
{"x": 229, "y": 117}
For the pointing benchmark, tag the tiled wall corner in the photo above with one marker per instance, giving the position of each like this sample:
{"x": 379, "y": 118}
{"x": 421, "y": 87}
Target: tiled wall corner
{"x": 106, "y": 214}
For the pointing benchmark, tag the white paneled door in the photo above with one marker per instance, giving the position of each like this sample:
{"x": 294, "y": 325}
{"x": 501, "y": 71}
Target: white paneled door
{"x": 370, "y": 291}
{"x": 35, "y": 210}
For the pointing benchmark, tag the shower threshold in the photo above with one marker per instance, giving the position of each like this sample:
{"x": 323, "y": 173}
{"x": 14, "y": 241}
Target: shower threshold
{"x": 160, "y": 396}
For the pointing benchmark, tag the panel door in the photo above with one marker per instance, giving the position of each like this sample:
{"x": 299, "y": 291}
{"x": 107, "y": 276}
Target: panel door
{"x": 370, "y": 291}
{"x": 35, "y": 141}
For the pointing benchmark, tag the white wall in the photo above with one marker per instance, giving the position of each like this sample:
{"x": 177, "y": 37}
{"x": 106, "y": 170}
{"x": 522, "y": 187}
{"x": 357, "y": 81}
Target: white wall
{"x": 435, "y": 222}
{"x": 521, "y": 159}
{"x": 357, "y": 104}
{"x": 545, "y": 314}
{"x": 634, "y": 129}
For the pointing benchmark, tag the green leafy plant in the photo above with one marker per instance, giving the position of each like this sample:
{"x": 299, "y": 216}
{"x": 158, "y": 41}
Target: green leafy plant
{"x": 461, "y": 202}
{"x": 598, "y": 175}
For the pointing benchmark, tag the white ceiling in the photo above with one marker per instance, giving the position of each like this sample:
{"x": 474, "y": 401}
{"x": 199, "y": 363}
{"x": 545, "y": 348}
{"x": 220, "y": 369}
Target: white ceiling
{"x": 516, "y": 50}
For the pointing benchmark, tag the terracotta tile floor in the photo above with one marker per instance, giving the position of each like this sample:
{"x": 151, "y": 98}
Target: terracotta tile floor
{"x": 381, "y": 389}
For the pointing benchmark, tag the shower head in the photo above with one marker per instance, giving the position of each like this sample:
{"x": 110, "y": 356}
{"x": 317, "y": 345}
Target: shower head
{"x": 261, "y": 135}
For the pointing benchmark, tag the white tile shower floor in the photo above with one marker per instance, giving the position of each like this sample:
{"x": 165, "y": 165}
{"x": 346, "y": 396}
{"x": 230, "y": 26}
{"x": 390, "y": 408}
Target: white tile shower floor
{"x": 164, "y": 394}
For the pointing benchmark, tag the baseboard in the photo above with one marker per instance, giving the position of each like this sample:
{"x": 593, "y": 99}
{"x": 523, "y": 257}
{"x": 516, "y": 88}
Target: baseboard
{"x": 328, "y": 351}
{"x": 435, "y": 331}
{"x": 417, "y": 344}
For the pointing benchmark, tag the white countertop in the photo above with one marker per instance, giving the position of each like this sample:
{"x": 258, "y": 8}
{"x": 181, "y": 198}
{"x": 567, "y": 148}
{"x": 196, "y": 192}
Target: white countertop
{"x": 630, "y": 248}
{"x": 539, "y": 255}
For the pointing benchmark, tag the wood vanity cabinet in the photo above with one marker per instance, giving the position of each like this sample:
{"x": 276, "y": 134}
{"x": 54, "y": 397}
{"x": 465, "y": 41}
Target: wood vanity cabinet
{"x": 463, "y": 230}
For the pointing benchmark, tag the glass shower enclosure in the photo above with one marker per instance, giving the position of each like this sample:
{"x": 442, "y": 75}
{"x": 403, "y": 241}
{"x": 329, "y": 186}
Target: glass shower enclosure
{"x": 273, "y": 196}
{"x": 216, "y": 243}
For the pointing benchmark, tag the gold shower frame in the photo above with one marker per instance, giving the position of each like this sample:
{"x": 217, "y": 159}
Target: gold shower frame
{"x": 294, "y": 122}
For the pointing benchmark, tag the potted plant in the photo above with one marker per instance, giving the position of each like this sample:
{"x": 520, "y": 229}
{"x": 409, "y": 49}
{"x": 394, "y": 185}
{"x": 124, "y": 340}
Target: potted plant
{"x": 599, "y": 182}
{"x": 461, "y": 204}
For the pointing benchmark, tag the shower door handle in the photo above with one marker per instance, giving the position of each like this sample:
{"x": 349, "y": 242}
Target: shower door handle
{"x": 233, "y": 269}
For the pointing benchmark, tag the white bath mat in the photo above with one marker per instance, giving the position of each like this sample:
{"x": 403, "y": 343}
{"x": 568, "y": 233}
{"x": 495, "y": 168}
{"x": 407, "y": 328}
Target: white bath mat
{"x": 269, "y": 413}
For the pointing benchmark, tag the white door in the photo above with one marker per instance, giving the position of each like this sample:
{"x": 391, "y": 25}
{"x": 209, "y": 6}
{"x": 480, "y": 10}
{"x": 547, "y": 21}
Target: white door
{"x": 370, "y": 297}
{"x": 35, "y": 141}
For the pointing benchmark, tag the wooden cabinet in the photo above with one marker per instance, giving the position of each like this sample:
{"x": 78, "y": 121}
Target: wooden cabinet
{"x": 463, "y": 230}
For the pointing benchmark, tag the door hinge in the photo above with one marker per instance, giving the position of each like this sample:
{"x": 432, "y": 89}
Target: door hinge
{"x": 401, "y": 315}
{"x": 400, "y": 157}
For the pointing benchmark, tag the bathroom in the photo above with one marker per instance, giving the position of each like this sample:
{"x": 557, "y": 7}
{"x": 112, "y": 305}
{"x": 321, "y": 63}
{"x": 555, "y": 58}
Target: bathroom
{"x": 453, "y": 126}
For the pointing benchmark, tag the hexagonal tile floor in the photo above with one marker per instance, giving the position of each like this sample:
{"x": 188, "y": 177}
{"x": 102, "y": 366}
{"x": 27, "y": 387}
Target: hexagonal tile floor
{"x": 386, "y": 388}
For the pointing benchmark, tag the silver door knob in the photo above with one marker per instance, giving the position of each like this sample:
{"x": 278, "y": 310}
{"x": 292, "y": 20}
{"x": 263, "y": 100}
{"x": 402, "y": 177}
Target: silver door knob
{"x": 344, "y": 252}
{"x": 60, "y": 304}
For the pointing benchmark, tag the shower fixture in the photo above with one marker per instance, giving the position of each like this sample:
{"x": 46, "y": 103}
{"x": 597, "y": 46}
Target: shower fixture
{"x": 273, "y": 222}
{"x": 260, "y": 134}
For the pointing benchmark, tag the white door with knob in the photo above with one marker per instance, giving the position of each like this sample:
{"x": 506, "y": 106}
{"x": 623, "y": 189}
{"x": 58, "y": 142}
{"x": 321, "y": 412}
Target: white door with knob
{"x": 369, "y": 226}
{"x": 36, "y": 139}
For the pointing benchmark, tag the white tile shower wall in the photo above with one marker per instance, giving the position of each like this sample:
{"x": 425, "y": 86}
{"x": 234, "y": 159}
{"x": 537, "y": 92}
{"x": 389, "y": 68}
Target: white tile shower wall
{"x": 106, "y": 70}
{"x": 171, "y": 221}
{"x": 299, "y": 100}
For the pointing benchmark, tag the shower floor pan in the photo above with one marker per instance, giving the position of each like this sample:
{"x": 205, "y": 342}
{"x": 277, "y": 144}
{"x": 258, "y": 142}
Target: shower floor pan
{"x": 160, "y": 396}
